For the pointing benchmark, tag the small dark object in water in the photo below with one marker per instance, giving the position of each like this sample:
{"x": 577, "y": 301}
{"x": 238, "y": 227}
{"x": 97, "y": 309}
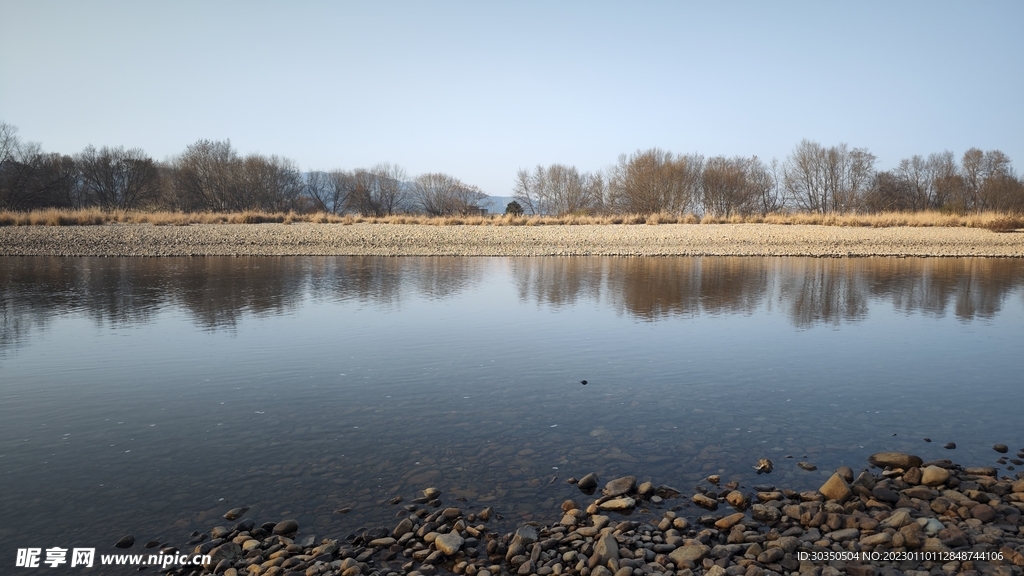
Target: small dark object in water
{"x": 584, "y": 382}
{"x": 1001, "y": 448}
{"x": 152, "y": 544}
{"x": 125, "y": 542}
{"x": 950, "y": 446}
{"x": 927, "y": 439}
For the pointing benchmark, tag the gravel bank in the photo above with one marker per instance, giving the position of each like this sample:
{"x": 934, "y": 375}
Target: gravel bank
{"x": 903, "y": 518}
{"x": 419, "y": 240}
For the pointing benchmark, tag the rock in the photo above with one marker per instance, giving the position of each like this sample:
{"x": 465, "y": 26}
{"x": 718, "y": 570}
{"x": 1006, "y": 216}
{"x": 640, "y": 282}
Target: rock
{"x": 714, "y": 479}
{"x": 934, "y": 476}
{"x": 807, "y": 466}
{"x": 449, "y": 544}
{"x": 922, "y": 492}
{"x": 285, "y": 527}
{"x": 1001, "y": 448}
{"x": 405, "y": 526}
{"x": 763, "y": 513}
{"x": 876, "y": 539}
{"x": 125, "y": 542}
{"x": 931, "y": 526}
{"x": 606, "y": 548}
{"x": 235, "y": 513}
{"x": 950, "y": 446}
{"x": 729, "y": 521}
{"x": 895, "y": 460}
{"x": 983, "y": 512}
{"x": 588, "y": 483}
{"x": 898, "y": 519}
{"x": 737, "y": 500}
{"x": 485, "y": 514}
{"x": 912, "y": 476}
{"x": 689, "y": 553}
{"x": 382, "y": 542}
{"x": 705, "y": 502}
{"x": 764, "y": 466}
{"x": 844, "y": 534}
{"x": 526, "y": 535}
{"x": 620, "y": 486}
{"x": 835, "y": 488}
{"x": 645, "y": 490}
{"x": 981, "y": 471}
{"x": 431, "y": 493}
{"x": 228, "y": 551}
{"x": 618, "y": 504}
{"x": 846, "y": 472}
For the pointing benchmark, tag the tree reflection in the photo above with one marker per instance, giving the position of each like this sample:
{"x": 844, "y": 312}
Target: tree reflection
{"x": 218, "y": 292}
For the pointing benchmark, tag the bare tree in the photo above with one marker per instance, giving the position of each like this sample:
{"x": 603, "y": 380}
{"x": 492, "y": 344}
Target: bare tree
{"x": 270, "y": 183}
{"x": 828, "y": 180}
{"x": 890, "y": 191}
{"x": 117, "y": 179}
{"x": 441, "y": 195}
{"x": 380, "y": 191}
{"x": 559, "y": 189}
{"x": 330, "y": 191}
{"x": 724, "y": 187}
{"x": 770, "y": 194}
{"x": 988, "y": 179}
{"x": 654, "y": 180}
{"x": 206, "y": 177}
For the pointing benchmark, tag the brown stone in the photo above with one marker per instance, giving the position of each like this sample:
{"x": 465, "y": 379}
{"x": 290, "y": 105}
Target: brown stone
{"x": 934, "y": 476}
{"x": 983, "y": 512}
{"x": 729, "y": 521}
{"x": 835, "y": 488}
{"x": 689, "y": 553}
{"x": 737, "y": 500}
{"x": 895, "y": 460}
{"x": 705, "y": 502}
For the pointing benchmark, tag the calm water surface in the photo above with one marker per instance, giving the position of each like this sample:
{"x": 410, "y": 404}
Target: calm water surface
{"x": 149, "y": 396}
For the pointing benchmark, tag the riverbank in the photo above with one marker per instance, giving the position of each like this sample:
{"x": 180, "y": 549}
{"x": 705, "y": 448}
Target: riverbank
{"x": 904, "y": 516}
{"x": 300, "y": 239}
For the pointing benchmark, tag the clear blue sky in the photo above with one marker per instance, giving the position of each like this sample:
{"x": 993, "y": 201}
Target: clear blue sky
{"x": 481, "y": 89}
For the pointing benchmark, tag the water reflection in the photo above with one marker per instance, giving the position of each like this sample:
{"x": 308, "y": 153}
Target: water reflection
{"x": 301, "y": 386}
{"x": 217, "y": 292}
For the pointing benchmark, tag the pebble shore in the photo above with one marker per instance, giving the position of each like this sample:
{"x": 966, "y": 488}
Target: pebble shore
{"x": 902, "y": 516}
{"x": 584, "y": 240}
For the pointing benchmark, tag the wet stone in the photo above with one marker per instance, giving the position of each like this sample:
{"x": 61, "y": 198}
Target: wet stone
{"x": 228, "y": 551}
{"x": 449, "y": 544}
{"x": 1001, "y": 448}
{"x": 934, "y": 476}
{"x": 835, "y": 488}
{"x": 620, "y": 486}
{"x": 235, "y": 513}
{"x": 895, "y": 460}
{"x": 705, "y": 502}
{"x": 285, "y": 527}
{"x": 588, "y": 482}
{"x": 618, "y": 504}
{"x": 125, "y": 542}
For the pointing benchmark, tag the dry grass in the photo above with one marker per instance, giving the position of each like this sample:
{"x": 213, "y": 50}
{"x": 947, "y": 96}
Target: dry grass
{"x": 995, "y": 221}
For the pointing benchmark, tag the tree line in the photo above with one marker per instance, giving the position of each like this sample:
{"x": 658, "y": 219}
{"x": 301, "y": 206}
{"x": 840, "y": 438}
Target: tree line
{"x": 212, "y": 176}
{"x": 813, "y": 178}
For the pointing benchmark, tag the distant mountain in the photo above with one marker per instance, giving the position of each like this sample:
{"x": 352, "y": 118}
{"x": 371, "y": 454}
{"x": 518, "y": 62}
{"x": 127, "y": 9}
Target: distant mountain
{"x": 496, "y": 204}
